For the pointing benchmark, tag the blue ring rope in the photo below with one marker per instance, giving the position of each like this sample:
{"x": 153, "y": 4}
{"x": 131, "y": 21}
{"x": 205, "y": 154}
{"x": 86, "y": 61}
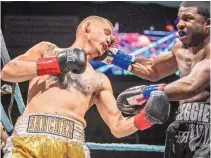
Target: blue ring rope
{"x": 125, "y": 147}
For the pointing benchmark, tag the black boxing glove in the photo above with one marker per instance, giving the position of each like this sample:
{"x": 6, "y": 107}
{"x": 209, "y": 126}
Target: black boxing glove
{"x": 156, "y": 111}
{"x": 70, "y": 59}
{"x": 131, "y": 101}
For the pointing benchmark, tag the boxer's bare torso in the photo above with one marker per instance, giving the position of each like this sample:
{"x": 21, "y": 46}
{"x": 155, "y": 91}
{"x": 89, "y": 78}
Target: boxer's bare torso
{"x": 186, "y": 59}
{"x": 45, "y": 94}
{"x": 69, "y": 94}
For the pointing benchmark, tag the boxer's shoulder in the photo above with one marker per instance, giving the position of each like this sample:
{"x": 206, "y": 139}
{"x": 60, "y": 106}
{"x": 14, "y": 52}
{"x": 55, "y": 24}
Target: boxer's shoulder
{"x": 103, "y": 82}
{"x": 106, "y": 84}
{"x": 103, "y": 85}
{"x": 178, "y": 46}
{"x": 46, "y": 45}
{"x": 50, "y": 49}
{"x": 207, "y": 51}
{"x": 42, "y": 49}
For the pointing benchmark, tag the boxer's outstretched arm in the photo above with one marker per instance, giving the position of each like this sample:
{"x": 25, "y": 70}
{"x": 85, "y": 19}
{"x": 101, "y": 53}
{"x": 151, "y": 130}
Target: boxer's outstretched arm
{"x": 190, "y": 85}
{"x": 155, "y": 69}
{"x": 106, "y": 104}
{"x": 23, "y": 67}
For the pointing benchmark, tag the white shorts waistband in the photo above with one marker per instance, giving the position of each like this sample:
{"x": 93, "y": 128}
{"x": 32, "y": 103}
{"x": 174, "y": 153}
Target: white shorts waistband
{"x": 50, "y": 124}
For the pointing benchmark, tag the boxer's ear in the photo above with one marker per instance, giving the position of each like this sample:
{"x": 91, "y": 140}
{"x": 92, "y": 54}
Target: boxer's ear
{"x": 87, "y": 27}
{"x": 208, "y": 24}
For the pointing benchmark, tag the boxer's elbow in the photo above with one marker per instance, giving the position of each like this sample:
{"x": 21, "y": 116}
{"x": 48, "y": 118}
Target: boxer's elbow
{"x": 120, "y": 131}
{"x": 148, "y": 75}
{"x": 122, "y": 126}
{"x": 187, "y": 90}
{"x": 153, "y": 77}
{"x": 116, "y": 133}
{"x": 8, "y": 77}
{"x": 7, "y": 72}
{"x": 12, "y": 72}
{"x": 193, "y": 89}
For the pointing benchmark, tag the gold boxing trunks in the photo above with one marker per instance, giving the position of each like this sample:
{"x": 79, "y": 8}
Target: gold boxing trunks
{"x": 46, "y": 136}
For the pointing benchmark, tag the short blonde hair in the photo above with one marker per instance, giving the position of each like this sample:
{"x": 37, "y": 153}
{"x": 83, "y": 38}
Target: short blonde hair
{"x": 93, "y": 17}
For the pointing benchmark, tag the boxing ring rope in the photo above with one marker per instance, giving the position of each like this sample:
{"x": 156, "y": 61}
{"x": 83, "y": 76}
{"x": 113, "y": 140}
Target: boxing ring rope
{"x": 125, "y": 147}
{"x": 157, "y": 33}
{"x": 154, "y": 44}
{"x": 170, "y": 46}
{"x": 91, "y": 145}
{"x": 5, "y": 59}
{"x": 16, "y": 94}
{"x": 5, "y": 120}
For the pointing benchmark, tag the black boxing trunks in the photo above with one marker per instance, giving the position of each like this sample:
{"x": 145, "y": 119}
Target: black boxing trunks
{"x": 189, "y": 135}
{"x": 46, "y": 136}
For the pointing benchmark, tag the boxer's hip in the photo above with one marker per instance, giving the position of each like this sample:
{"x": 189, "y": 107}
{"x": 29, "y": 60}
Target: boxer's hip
{"x": 189, "y": 134}
{"x": 194, "y": 112}
{"x": 192, "y": 124}
{"x": 47, "y": 135}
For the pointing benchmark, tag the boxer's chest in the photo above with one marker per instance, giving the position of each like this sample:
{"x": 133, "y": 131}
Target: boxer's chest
{"x": 87, "y": 82}
{"x": 186, "y": 60}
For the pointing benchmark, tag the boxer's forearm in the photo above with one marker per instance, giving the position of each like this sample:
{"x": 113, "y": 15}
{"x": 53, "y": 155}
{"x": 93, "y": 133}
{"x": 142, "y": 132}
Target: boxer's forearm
{"x": 24, "y": 67}
{"x": 180, "y": 90}
{"x": 155, "y": 69}
{"x": 144, "y": 72}
{"x": 19, "y": 71}
{"x": 124, "y": 127}
{"x": 191, "y": 85}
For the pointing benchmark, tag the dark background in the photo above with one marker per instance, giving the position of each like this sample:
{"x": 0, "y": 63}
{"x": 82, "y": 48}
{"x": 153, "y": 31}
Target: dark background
{"x": 27, "y": 23}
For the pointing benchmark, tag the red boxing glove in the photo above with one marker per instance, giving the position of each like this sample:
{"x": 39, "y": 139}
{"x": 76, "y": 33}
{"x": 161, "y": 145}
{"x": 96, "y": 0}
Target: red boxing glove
{"x": 49, "y": 65}
{"x": 141, "y": 121}
{"x": 70, "y": 59}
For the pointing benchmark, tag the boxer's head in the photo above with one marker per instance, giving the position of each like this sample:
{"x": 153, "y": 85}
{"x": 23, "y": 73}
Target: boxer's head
{"x": 94, "y": 34}
{"x": 193, "y": 22}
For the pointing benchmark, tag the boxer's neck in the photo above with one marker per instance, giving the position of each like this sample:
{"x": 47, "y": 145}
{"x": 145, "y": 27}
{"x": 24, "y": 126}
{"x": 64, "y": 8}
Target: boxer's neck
{"x": 84, "y": 44}
{"x": 201, "y": 45}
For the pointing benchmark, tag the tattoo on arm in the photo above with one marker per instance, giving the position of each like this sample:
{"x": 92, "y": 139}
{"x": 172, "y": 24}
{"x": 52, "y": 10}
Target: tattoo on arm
{"x": 52, "y": 50}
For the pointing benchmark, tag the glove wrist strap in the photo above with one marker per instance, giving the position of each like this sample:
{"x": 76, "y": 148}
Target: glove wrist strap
{"x": 123, "y": 60}
{"x": 48, "y": 65}
{"x": 141, "y": 121}
{"x": 147, "y": 91}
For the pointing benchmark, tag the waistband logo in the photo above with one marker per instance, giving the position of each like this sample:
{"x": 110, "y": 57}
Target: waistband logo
{"x": 194, "y": 112}
{"x": 182, "y": 137}
{"x": 50, "y": 124}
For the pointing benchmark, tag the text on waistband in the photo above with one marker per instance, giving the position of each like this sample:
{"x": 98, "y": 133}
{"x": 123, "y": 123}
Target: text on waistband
{"x": 50, "y": 124}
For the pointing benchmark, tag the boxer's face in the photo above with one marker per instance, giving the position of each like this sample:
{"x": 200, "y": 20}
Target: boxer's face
{"x": 192, "y": 24}
{"x": 99, "y": 37}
